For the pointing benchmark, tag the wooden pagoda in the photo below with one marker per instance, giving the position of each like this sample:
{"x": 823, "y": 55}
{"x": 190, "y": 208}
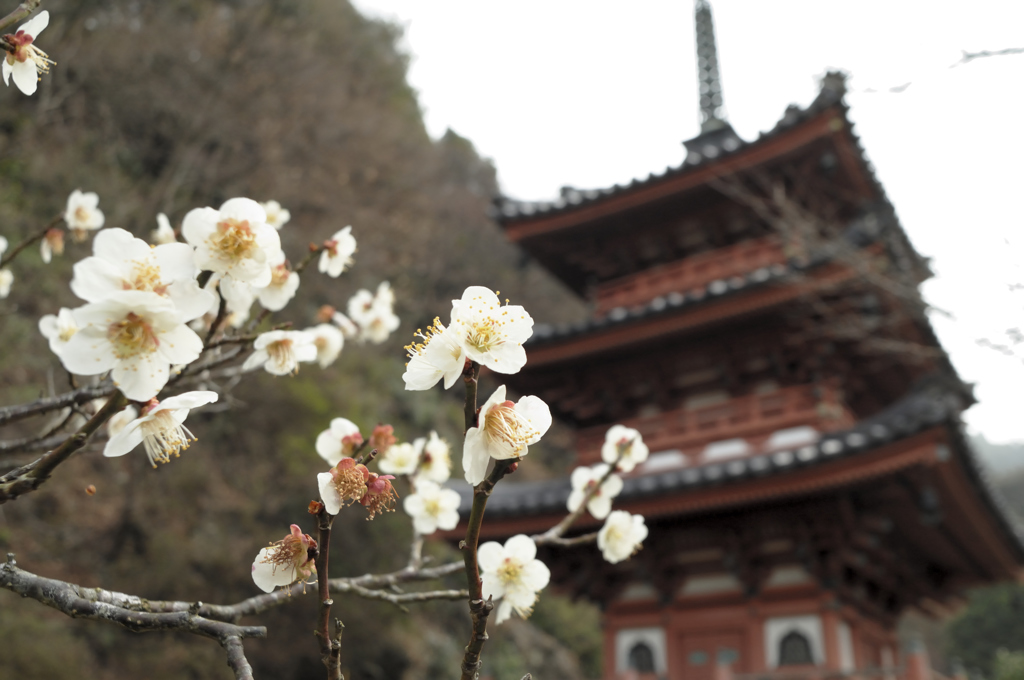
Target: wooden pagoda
{"x": 756, "y": 317}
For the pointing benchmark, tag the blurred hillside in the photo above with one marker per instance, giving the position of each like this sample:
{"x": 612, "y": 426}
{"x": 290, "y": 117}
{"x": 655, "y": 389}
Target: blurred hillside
{"x": 171, "y": 104}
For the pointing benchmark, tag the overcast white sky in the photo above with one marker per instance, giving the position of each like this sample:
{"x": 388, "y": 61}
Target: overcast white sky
{"x": 590, "y": 93}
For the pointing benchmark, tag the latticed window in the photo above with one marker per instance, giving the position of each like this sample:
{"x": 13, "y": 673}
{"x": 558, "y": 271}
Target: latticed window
{"x": 641, "y": 658}
{"x": 795, "y": 650}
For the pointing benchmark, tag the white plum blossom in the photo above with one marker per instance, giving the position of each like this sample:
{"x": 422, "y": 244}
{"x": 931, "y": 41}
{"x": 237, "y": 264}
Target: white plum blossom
{"x": 491, "y": 334}
{"x": 628, "y": 442}
{"x": 6, "y": 281}
{"x": 235, "y": 240}
{"x": 373, "y": 313}
{"x": 136, "y": 334}
{"x": 27, "y": 61}
{"x": 3, "y": 245}
{"x": 238, "y": 298}
{"x": 52, "y": 244}
{"x": 82, "y": 213}
{"x": 120, "y": 420}
{"x": 338, "y": 441}
{"x": 163, "y": 233}
{"x": 583, "y": 480}
{"x": 281, "y": 352}
{"x": 276, "y": 295}
{"x": 160, "y": 429}
{"x": 432, "y": 508}
{"x": 512, "y": 572}
{"x": 58, "y": 329}
{"x": 621, "y": 536}
{"x": 337, "y": 253}
{"x": 122, "y": 262}
{"x": 345, "y": 325}
{"x": 399, "y": 459}
{"x": 435, "y": 459}
{"x": 283, "y": 563}
{"x": 439, "y": 356}
{"x": 329, "y": 341}
{"x": 277, "y": 216}
{"x": 504, "y": 430}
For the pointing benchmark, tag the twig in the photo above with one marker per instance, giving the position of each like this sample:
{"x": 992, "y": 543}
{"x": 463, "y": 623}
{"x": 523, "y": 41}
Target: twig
{"x": 401, "y": 599}
{"x": 479, "y": 609}
{"x": 222, "y": 309}
{"x": 10, "y": 414}
{"x": 68, "y": 598}
{"x": 39, "y": 235}
{"x": 22, "y": 11}
{"x": 314, "y": 249}
{"x": 29, "y": 477}
{"x": 330, "y": 646}
{"x": 554, "y": 535}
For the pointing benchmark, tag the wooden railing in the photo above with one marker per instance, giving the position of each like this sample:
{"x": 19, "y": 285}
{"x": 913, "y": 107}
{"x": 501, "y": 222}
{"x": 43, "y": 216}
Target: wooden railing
{"x": 752, "y": 417}
{"x": 689, "y": 273}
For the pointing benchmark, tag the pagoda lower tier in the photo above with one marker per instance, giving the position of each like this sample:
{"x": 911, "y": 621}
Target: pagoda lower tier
{"x": 796, "y": 560}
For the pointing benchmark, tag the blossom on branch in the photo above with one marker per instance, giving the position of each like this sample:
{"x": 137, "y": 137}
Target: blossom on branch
{"x": 373, "y": 313}
{"x": 138, "y": 335}
{"x": 160, "y": 429}
{"x": 504, "y": 430}
{"x": 400, "y": 459}
{"x": 277, "y": 216}
{"x": 82, "y": 213}
{"x": 584, "y": 480}
{"x": 435, "y": 462}
{"x": 58, "y": 329}
{"x": 329, "y": 341}
{"x": 235, "y": 240}
{"x": 339, "y": 441}
{"x": 432, "y": 508}
{"x": 163, "y": 233}
{"x": 621, "y": 536}
{"x": 382, "y": 438}
{"x": 52, "y": 244}
{"x": 439, "y": 356}
{"x": 27, "y": 61}
{"x": 337, "y": 253}
{"x": 122, "y": 262}
{"x": 491, "y": 334}
{"x": 6, "y": 281}
{"x": 350, "y": 482}
{"x": 512, "y": 573}
{"x": 624, "y": 441}
{"x": 281, "y": 352}
{"x": 282, "y": 287}
{"x": 283, "y": 563}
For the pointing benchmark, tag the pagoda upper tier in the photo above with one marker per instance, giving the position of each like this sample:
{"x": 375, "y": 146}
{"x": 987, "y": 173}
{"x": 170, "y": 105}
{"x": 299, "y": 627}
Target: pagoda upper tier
{"x": 699, "y": 223}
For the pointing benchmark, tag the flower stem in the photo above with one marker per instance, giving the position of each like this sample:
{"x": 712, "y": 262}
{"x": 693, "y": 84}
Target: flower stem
{"x": 330, "y": 647}
{"x": 471, "y": 377}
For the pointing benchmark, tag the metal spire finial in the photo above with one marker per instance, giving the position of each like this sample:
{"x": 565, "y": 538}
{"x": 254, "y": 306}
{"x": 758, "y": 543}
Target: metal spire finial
{"x": 712, "y": 108}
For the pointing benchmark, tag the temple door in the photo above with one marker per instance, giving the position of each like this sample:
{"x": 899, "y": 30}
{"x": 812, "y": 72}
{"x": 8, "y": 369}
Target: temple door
{"x": 702, "y": 651}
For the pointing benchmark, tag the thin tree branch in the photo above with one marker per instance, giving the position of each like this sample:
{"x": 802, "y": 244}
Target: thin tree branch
{"x": 22, "y": 11}
{"x": 33, "y": 238}
{"x": 330, "y": 646}
{"x": 29, "y": 477}
{"x": 10, "y": 414}
{"x": 72, "y": 600}
{"x": 554, "y": 535}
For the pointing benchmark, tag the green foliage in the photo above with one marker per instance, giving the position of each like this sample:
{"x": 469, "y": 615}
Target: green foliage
{"x": 993, "y": 620}
{"x": 1008, "y": 665}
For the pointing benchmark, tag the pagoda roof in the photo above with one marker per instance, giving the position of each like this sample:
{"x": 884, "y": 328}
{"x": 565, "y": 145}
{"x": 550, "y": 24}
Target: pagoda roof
{"x": 930, "y": 407}
{"x": 703, "y": 151}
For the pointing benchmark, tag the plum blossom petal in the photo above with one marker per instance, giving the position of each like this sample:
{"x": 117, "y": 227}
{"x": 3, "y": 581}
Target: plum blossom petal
{"x": 432, "y": 508}
{"x": 163, "y": 233}
{"x": 6, "y": 281}
{"x": 282, "y": 287}
{"x": 338, "y": 441}
{"x": 491, "y": 334}
{"x": 512, "y": 573}
{"x": 627, "y": 442}
{"x": 337, "y": 253}
{"x": 27, "y": 61}
{"x": 439, "y": 356}
{"x": 283, "y": 563}
{"x": 58, "y": 328}
{"x": 505, "y": 430}
{"x": 583, "y": 480}
{"x": 373, "y": 313}
{"x": 160, "y": 428}
{"x": 435, "y": 459}
{"x": 621, "y": 536}
{"x": 235, "y": 240}
{"x": 399, "y": 459}
{"x": 281, "y": 352}
{"x": 277, "y": 216}
{"x": 329, "y": 341}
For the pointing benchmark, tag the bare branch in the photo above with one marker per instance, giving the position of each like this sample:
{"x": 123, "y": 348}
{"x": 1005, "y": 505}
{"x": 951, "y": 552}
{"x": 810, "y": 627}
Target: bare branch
{"x": 22, "y": 11}
{"x": 30, "y": 477}
{"x": 330, "y": 646}
{"x": 73, "y": 600}
{"x": 10, "y": 414}
{"x": 553, "y": 536}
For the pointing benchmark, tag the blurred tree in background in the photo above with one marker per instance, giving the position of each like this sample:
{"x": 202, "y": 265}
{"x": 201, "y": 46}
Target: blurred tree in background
{"x": 166, "y": 105}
